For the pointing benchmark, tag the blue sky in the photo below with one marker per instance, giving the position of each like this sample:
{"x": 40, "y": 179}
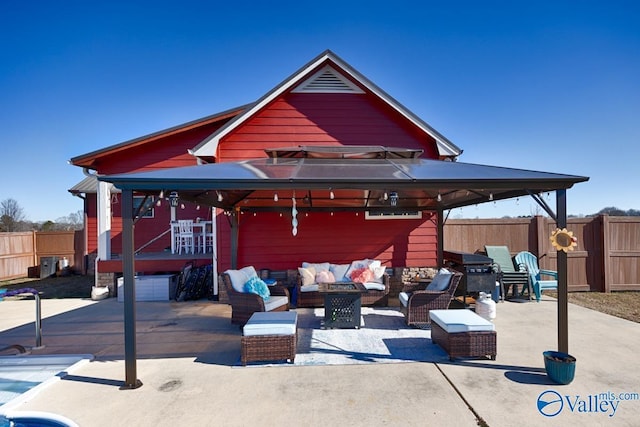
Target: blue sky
{"x": 546, "y": 85}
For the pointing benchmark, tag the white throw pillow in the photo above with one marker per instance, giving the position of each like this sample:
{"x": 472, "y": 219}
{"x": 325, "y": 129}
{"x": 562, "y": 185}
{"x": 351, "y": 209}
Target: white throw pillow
{"x": 308, "y": 275}
{"x": 378, "y": 271}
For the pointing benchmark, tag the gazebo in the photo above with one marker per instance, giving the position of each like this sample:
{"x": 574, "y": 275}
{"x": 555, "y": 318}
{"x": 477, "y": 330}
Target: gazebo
{"x": 375, "y": 179}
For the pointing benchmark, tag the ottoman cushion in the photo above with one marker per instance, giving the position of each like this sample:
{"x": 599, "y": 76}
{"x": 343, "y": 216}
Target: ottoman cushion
{"x": 271, "y": 323}
{"x": 456, "y": 321}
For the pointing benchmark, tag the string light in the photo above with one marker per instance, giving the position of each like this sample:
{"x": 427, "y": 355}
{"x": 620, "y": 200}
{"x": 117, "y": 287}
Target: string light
{"x": 331, "y": 195}
{"x": 219, "y": 196}
{"x": 275, "y": 197}
{"x": 490, "y": 196}
{"x": 439, "y": 198}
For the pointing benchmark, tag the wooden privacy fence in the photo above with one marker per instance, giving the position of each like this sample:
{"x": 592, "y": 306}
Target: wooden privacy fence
{"x": 22, "y": 251}
{"x": 606, "y": 259}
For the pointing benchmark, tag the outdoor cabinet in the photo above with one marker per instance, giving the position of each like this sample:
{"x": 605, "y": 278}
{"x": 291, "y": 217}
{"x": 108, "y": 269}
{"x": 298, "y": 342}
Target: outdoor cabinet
{"x": 161, "y": 287}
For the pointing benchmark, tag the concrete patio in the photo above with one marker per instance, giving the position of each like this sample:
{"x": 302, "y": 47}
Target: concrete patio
{"x": 188, "y": 355}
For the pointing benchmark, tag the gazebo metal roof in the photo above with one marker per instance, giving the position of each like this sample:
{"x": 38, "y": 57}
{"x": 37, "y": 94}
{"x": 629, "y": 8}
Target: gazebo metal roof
{"x": 344, "y": 178}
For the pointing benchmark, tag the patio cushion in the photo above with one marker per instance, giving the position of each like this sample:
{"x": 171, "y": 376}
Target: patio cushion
{"x": 339, "y": 272}
{"x": 441, "y": 281}
{"x": 404, "y": 298}
{"x": 240, "y": 277}
{"x": 456, "y": 321}
{"x": 275, "y": 323}
{"x": 275, "y": 301}
{"x": 374, "y": 286}
{"x": 319, "y": 266}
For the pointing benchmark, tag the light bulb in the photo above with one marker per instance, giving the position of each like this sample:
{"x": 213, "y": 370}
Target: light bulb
{"x": 219, "y": 196}
{"x": 275, "y": 197}
{"x": 439, "y": 198}
{"x": 331, "y": 195}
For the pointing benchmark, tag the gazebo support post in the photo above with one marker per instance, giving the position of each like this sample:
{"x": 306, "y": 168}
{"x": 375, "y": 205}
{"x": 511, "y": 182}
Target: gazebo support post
{"x": 235, "y": 233}
{"x": 440, "y": 237}
{"x": 130, "y": 356}
{"x": 563, "y": 298}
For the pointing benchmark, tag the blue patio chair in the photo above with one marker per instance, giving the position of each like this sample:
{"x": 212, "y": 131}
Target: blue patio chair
{"x": 530, "y": 261}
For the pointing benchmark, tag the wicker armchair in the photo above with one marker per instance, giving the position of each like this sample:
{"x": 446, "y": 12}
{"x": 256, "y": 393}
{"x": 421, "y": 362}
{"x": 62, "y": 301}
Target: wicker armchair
{"x": 243, "y": 305}
{"x": 420, "y": 301}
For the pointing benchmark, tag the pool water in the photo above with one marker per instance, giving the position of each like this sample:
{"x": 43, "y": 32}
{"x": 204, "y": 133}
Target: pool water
{"x": 21, "y": 377}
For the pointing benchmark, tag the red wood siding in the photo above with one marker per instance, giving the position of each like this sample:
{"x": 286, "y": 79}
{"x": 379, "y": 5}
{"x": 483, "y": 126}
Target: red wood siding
{"x": 167, "y": 152}
{"x": 266, "y": 240}
{"x": 323, "y": 119}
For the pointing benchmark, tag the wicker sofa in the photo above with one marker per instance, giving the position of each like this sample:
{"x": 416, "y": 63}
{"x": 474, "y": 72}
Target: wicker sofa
{"x": 307, "y": 293}
{"x": 244, "y": 304}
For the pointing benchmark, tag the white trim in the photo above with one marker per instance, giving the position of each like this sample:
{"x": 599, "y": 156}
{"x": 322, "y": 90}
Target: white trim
{"x": 393, "y": 215}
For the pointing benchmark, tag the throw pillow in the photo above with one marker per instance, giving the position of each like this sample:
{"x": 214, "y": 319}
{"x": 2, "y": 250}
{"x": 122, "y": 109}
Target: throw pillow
{"x": 361, "y": 275}
{"x": 255, "y": 285}
{"x": 325, "y": 277}
{"x": 378, "y": 270}
{"x": 355, "y": 265}
{"x": 441, "y": 281}
{"x": 308, "y": 275}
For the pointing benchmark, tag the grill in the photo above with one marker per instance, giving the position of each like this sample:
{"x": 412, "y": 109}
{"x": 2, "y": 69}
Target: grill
{"x": 477, "y": 269}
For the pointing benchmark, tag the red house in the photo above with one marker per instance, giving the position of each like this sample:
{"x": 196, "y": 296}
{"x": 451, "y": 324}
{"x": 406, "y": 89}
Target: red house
{"x": 325, "y": 103}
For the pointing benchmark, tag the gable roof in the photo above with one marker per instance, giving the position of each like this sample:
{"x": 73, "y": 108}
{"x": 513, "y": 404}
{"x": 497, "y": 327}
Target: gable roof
{"x": 88, "y": 160}
{"x": 314, "y": 78}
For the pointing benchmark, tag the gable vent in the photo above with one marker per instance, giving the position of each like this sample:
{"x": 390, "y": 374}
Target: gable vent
{"x": 327, "y": 80}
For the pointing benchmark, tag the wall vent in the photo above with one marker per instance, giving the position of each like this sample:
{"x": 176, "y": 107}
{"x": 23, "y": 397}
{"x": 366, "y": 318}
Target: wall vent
{"x": 327, "y": 80}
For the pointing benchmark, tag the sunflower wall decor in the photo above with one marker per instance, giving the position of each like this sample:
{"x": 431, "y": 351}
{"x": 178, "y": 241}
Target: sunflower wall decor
{"x": 563, "y": 240}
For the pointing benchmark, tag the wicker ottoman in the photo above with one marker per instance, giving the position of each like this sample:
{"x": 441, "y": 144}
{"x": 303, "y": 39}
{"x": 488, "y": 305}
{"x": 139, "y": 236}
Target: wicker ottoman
{"x": 269, "y": 336}
{"x": 462, "y": 333}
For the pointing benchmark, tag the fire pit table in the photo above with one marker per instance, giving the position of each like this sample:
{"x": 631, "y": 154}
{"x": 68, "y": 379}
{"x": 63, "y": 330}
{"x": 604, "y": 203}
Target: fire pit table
{"x": 342, "y": 304}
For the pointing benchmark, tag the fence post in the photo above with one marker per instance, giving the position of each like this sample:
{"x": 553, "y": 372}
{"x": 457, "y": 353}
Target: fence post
{"x": 605, "y": 231}
{"x": 34, "y": 248}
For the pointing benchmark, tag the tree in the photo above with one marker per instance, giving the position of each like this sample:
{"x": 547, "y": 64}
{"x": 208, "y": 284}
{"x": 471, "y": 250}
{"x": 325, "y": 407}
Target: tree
{"x": 11, "y": 216}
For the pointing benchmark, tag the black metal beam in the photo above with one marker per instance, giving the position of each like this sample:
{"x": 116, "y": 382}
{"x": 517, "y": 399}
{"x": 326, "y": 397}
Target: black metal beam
{"x": 128, "y": 260}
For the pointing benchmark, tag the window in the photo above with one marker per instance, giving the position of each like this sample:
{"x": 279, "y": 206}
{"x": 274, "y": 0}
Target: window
{"x": 147, "y": 210}
{"x": 393, "y": 215}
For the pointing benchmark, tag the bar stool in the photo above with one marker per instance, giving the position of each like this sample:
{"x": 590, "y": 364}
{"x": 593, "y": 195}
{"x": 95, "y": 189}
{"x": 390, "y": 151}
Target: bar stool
{"x": 185, "y": 236}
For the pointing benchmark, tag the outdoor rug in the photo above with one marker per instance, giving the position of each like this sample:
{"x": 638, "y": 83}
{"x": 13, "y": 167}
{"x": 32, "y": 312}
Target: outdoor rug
{"x": 383, "y": 337}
